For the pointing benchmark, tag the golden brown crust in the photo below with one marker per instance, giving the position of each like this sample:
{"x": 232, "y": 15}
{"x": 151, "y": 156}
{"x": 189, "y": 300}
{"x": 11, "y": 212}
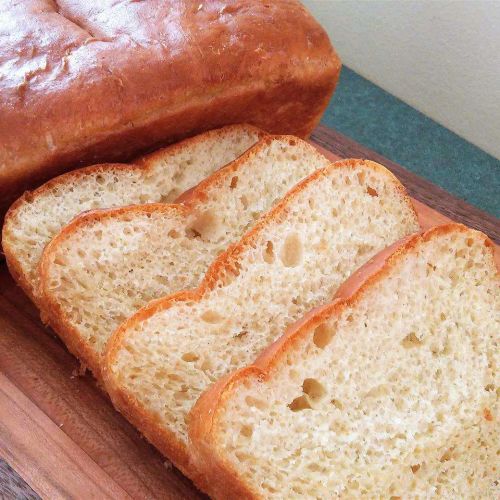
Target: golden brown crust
{"x": 89, "y": 84}
{"x": 143, "y": 164}
{"x": 226, "y": 262}
{"x": 208, "y": 460}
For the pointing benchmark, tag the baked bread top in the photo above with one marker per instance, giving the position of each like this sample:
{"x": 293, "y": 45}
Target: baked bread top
{"x": 85, "y": 82}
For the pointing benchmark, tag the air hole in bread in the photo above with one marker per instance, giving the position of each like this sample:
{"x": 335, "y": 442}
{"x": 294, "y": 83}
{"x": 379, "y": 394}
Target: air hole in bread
{"x": 371, "y": 191}
{"x": 244, "y": 201}
{"x": 179, "y": 175}
{"x": 190, "y": 357}
{"x": 446, "y": 456}
{"x": 335, "y": 212}
{"x": 227, "y": 278}
{"x": 322, "y": 335}
{"x": 192, "y": 233}
{"x": 257, "y": 403}
{"x": 353, "y": 485}
{"x": 293, "y": 142}
{"x": 60, "y": 260}
{"x": 170, "y": 196}
{"x": 361, "y": 177}
{"x": 411, "y": 340}
{"x": 241, "y": 334}
{"x": 269, "y": 252}
{"x": 207, "y": 225}
{"x": 300, "y": 403}
{"x": 181, "y": 396}
{"x": 314, "y": 467}
{"x": 212, "y": 317}
{"x": 291, "y": 252}
{"x": 314, "y": 389}
{"x": 348, "y": 181}
{"x": 338, "y": 404}
{"x": 247, "y": 431}
{"x": 173, "y": 234}
{"x": 100, "y": 179}
{"x": 414, "y": 468}
{"x": 234, "y": 182}
{"x": 377, "y": 392}
{"x": 207, "y": 365}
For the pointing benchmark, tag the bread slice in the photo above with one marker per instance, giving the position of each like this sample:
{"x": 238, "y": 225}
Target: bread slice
{"x": 36, "y": 217}
{"x": 105, "y": 265}
{"x": 294, "y": 258}
{"x": 390, "y": 391}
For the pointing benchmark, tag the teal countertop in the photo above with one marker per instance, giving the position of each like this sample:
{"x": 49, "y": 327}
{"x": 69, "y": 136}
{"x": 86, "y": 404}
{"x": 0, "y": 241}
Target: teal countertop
{"x": 380, "y": 121}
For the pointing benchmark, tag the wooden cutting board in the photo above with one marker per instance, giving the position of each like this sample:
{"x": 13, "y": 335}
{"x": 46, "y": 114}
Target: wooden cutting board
{"x": 59, "y": 432}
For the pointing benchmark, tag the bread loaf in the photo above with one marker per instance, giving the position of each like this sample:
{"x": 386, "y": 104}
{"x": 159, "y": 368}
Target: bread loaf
{"x": 87, "y": 82}
{"x": 36, "y": 217}
{"x": 390, "y": 391}
{"x": 107, "y": 264}
{"x": 160, "y": 360}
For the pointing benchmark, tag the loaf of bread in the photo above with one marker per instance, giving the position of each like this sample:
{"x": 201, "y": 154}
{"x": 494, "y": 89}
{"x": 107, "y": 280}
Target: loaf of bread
{"x": 106, "y": 264}
{"x": 390, "y": 391}
{"x": 86, "y": 82}
{"x": 160, "y": 360}
{"x": 36, "y": 217}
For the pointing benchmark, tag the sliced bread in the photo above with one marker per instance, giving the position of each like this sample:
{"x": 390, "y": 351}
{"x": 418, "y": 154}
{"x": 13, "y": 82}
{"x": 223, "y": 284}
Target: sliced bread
{"x": 36, "y": 217}
{"x": 390, "y": 391}
{"x": 160, "y": 360}
{"x": 106, "y": 264}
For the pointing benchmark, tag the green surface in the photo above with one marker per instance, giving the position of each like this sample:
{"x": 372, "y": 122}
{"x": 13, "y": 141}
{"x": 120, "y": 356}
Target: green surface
{"x": 380, "y": 121}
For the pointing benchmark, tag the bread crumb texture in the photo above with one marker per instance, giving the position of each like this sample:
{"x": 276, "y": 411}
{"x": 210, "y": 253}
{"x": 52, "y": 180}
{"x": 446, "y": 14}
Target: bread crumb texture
{"x": 163, "y": 177}
{"x": 106, "y": 268}
{"x": 395, "y": 396}
{"x": 294, "y": 260}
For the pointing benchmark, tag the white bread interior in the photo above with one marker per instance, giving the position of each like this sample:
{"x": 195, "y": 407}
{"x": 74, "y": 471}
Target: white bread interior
{"x": 164, "y": 357}
{"x": 392, "y": 393}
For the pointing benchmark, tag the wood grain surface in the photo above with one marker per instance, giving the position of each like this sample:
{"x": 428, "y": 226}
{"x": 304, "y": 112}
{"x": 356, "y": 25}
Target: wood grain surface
{"x": 57, "y": 428}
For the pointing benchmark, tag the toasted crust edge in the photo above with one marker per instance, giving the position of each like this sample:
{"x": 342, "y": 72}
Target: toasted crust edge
{"x": 224, "y": 482}
{"x": 136, "y": 413}
{"x": 142, "y": 163}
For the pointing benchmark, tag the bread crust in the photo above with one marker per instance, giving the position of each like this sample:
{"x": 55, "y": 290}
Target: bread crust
{"x": 141, "y": 164}
{"x": 225, "y": 482}
{"x": 226, "y": 263}
{"x": 53, "y": 314}
{"x": 91, "y": 84}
